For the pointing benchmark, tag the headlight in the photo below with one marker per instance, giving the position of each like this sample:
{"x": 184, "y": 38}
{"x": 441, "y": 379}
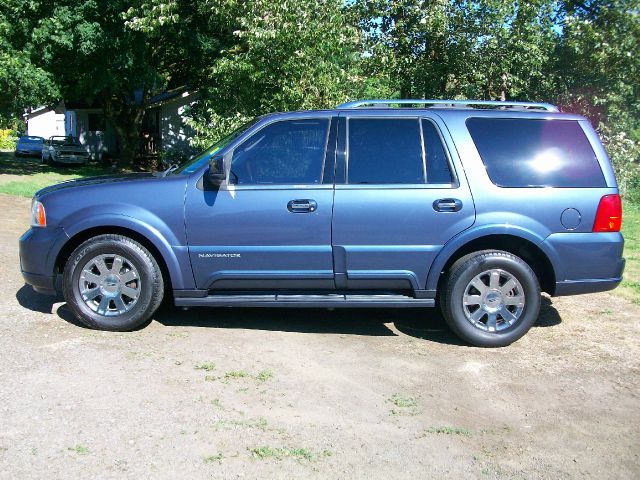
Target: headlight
{"x": 38, "y": 215}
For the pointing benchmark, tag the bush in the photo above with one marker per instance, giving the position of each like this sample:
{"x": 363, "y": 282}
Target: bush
{"x": 625, "y": 158}
{"x": 8, "y": 139}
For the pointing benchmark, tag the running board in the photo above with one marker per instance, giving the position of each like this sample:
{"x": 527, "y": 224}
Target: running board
{"x": 306, "y": 301}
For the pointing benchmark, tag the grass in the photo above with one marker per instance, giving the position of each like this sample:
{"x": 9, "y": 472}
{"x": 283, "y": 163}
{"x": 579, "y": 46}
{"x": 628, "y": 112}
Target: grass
{"x": 630, "y": 287}
{"x": 34, "y": 175}
{"x": 403, "y": 405}
{"x": 264, "y": 375}
{"x": 214, "y": 458}
{"x": 206, "y": 366}
{"x": 79, "y": 449}
{"x": 448, "y": 431}
{"x": 280, "y": 453}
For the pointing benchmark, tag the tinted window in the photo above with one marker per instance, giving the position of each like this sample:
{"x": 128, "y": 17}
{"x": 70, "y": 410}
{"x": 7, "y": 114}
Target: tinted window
{"x": 438, "y": 170}
{"x": 283, "y": 152}
{"x": 384, "y": 150}
{"x": 536, "y": 153}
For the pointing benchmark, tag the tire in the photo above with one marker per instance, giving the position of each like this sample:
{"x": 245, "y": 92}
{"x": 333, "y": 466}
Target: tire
{"x": 502, "y": 298}
{"x": 111, "y": 282}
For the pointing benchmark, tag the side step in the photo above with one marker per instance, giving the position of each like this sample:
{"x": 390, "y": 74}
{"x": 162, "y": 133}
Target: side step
{"x": 307, "y": 301}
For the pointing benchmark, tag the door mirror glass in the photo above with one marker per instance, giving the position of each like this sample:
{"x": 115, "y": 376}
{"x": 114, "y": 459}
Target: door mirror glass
{"x": 216, "y": 170}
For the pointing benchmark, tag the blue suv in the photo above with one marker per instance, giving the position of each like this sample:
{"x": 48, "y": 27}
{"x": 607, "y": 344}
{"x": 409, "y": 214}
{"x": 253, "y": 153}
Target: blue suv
{"x": 475, "y": 207}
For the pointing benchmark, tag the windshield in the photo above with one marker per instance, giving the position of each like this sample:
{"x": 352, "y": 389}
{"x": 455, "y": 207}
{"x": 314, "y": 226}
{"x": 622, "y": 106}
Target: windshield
{"x": 201, "y": 159}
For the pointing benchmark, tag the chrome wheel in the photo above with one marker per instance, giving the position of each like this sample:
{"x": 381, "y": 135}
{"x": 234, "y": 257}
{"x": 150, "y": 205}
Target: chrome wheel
{"x": 109, "y": 285}
{"x": 493, "y": 300}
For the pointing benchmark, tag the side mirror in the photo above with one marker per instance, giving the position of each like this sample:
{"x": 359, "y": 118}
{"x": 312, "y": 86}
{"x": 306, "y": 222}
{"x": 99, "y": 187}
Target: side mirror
{"x": 216, "y": 170}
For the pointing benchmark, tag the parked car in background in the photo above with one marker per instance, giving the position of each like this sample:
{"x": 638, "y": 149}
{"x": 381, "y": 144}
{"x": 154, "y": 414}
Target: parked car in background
{"x": 29, "y": 146}
{"x": 472, "y": 206}
{"x": 64, "y": 149}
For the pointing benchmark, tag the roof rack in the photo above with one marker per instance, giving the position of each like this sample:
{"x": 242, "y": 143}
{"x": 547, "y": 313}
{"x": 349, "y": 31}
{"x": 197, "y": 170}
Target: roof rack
{"x": 452, "y": 104}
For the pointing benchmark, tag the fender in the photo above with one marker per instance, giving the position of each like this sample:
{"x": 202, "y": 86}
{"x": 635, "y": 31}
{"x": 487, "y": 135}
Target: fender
{"x": 173, "y": 251}
{"x": 474, "y": 233}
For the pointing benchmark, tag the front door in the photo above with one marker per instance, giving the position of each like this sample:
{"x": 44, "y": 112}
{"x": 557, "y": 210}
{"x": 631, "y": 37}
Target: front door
{"x": 269, "y": 227}
{"x": 400, "y": 196}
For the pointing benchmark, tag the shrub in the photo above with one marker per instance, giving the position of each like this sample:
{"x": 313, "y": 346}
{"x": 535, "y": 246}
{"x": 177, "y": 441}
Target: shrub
{"x": 8, "y": 139}
{"x": 625, "y": 158}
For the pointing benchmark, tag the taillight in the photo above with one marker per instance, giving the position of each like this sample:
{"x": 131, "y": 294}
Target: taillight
{"x": 609, "y": 214}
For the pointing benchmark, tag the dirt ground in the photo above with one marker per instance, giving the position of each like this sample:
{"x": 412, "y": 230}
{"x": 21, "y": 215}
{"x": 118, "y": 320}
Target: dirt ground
{"x": 345, "y": 394}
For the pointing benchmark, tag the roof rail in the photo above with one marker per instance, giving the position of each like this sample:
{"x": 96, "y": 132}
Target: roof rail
{"x": 452, "y": 104}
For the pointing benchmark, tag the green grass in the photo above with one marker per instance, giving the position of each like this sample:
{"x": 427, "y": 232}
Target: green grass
{"x": 630, "y": 287}
{"x": 280, "y": 453}
{"x": 448, "y": 431}
{"x": 213, "y": 458}
{"x": 79, "y": 449}
{"x": 264, "y": 375}
{"x": 206, "y": 366}
{"x": 33, "y": 175}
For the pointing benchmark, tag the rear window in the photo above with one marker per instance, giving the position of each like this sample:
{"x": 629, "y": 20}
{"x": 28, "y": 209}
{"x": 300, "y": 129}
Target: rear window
{"x": 536, "y": 153}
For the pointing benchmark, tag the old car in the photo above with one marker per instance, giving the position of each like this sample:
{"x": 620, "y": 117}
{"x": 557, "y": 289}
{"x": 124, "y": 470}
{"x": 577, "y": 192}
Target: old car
{"x": 64, "y": 149}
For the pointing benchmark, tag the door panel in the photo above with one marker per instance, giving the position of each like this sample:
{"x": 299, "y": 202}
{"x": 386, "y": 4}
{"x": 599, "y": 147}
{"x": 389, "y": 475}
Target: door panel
{"x": 247, "y": 238}
{"x": 386, "y": 236}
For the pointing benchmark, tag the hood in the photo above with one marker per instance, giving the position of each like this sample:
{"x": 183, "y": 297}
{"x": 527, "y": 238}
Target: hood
{"x": 100, "y": 180}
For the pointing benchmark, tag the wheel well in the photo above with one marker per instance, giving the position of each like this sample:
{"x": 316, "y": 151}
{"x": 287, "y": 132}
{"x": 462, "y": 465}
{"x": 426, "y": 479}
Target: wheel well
{"x": 85, "y": 235}
{"x": 526, "y": 250}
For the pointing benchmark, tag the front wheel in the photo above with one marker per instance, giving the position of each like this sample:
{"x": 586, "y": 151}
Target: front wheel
{"x": 490, "y": 298}
{"x": 112, "y": 282}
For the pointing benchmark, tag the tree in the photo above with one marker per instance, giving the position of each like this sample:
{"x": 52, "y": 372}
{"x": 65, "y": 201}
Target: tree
{"x": 116, "y": 54}
{"x": 21, "y": 82}
{"x": 485, "y": 49}
{"x": 284, "y": 56}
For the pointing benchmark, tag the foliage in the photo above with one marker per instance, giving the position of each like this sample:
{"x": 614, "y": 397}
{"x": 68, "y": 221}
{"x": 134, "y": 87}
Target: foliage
{"x": 624, "y": 152}
{"x": 284, "y": 56}
{"x": 459, "y": 48}
{"x": 257, "y": 56}
{"x": 7, "y": 139}
{"x": 630, "y": 287}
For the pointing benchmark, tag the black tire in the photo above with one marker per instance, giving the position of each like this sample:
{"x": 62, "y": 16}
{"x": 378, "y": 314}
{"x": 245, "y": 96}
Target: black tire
{"x": 457, "y": 282}
{"x": 147, "y": 282}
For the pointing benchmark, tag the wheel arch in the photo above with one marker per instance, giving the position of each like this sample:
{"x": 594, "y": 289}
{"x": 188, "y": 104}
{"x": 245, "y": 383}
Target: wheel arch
{"x": 160, "y": 250}
{"x": 524, "y": 244}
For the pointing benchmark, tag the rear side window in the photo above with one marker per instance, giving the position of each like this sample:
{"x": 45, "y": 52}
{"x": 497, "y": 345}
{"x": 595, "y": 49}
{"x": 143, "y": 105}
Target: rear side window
{"x": 385, "y": 151}
{"x": 438, "y": 170}
{"x": 536, "y": 153}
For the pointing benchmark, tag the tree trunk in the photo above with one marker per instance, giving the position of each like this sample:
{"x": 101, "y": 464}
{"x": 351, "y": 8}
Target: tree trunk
{"x": 126, "y": 119}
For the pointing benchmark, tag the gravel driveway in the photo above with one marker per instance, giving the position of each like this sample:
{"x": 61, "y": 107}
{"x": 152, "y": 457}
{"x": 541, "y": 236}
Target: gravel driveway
{"x": 345, "y": 394}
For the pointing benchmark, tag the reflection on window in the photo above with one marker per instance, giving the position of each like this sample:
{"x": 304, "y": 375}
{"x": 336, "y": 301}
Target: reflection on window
{"x": 519, "y": 152}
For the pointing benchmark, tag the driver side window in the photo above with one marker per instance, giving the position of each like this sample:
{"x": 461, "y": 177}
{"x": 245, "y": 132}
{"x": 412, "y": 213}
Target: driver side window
{"x": 286, "y": 152}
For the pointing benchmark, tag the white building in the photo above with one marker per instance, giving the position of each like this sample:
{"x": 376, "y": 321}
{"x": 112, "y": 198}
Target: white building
{"x": 163, "y": 126}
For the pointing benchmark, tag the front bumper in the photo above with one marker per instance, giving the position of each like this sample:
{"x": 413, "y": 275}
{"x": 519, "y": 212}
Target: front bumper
{"x": 39, "y": 249}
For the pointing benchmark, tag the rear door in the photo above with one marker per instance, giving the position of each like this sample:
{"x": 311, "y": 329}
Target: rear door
{"x": 400, "y": 195}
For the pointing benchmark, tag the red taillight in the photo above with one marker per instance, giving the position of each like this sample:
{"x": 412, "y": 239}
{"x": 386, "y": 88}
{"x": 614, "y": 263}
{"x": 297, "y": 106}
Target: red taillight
{"x": 609, "y": 214}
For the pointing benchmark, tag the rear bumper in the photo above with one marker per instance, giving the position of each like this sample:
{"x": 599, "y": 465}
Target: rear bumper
{"x": 588, "y": 262}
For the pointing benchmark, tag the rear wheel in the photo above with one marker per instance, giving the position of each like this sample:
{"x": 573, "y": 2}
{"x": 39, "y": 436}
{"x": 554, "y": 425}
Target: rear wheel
{"x": 490, "y": 298}
{"x": 112, "y": 282}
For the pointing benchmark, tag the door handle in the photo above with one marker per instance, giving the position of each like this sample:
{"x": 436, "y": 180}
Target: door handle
{"x": 447, "y": 205}
{"x": 302, "y": 206}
